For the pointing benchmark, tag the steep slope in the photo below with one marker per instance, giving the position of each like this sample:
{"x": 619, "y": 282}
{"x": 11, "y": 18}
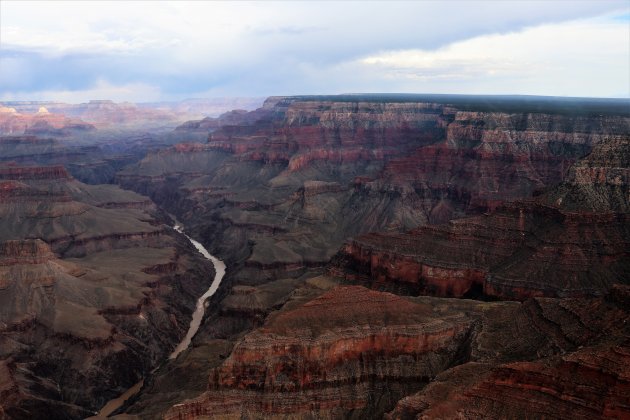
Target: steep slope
{"x": 331, "y": 356}
{"x": 348, "y": 352}
{"x": 573, "y": 240}
{"x": 95, "y": 291}
{"x": 520, "y": 251}
{"x": 89, "y": 163}
{"x": 589, "y": 379}
{"x": 598, "y": 183}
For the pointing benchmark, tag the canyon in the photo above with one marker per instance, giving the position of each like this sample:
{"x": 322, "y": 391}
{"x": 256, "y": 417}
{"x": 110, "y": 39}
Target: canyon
{"x": 388, "y": 256}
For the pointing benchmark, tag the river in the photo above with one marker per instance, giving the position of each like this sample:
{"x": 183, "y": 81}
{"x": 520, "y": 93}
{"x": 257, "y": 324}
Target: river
{"x": 219, "y": 268}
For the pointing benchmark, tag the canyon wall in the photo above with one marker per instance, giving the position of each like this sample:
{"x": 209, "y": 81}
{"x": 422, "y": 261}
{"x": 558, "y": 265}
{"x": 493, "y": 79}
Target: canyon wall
{"x": 348, "y": 352}
{"x": 519, "y": 209}
{"x": 95, "y": 291}
{"x": 572, "y": 240}
{"x": 259, "y": 181}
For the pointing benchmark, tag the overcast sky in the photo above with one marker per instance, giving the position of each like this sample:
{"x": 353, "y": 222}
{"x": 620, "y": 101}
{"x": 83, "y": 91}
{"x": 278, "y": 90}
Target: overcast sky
{"x": 148, "y": 51}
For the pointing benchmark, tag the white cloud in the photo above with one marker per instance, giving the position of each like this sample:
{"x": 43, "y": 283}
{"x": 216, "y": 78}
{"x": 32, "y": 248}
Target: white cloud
{"x": 587, "y": 57}
{"x": 263, "y": 48}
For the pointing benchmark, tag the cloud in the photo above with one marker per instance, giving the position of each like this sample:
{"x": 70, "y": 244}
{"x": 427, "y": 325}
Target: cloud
{"x": 581, "y": 58}
{"x": 263, "y": 48}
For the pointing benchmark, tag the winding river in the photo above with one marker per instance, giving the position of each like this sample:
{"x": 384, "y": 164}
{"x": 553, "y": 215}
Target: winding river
{"x": 219, "y": 268}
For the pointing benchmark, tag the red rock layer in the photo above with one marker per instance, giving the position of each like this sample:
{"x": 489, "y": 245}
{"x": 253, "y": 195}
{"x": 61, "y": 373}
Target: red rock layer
{"x": 32, "y": 251}
{"x": 522, "y": 250}
{"x": 347, "y": 352}
{"x": 34, "y": 173}
{"x": 328, "y": 356}
{"x": 587, "y": 384}
{"x": 488, "y": 158}
{"x": 478, "y": 158}
{"x": 304, "y": 132}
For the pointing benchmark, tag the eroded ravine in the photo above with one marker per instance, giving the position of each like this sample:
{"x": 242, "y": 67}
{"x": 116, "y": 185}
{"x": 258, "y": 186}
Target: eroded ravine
{"x": 197, "y": 316}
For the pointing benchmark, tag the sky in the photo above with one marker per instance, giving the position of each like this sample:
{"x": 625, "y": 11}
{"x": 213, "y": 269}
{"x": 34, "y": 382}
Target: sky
{"x": 162, "y": 51}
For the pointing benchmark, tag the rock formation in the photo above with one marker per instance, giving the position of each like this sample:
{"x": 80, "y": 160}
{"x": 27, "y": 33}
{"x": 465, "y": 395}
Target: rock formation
{"x": 335, "y": 354}
{"x": 400, "y": 256}
{"x": 487, "y": 201}
{"x": 571, "y": 241}
{"x": 387, "y": 166}
{"x": 40, "y": 123}
{"x": 349, "y": 352}
{"x": 587, "y": 378}
{"x": 94, "y": 292}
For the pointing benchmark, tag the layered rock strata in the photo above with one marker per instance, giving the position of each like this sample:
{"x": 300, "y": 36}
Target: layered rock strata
{"x": 329, "y": 356}
{"x": 588, "y": 379}
{"x": 87, "y": 162}
{"x": 574, "y": 240}
{"x": 389, "y": 166}
{"x": 520, "y": 251}
{"x": 349, "y": 352}
{"x": 94, "y": 292}
{"x": 277, "y": 191}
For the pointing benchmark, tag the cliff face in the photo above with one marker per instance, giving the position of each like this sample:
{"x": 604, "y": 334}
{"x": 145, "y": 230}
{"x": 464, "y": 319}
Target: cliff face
{"x": 571, "y": 241}
{"x": 587, "y": 379}
{"x": 600, "y": 182}
{"x": 349, "y": 352}
{"x": 89, "y": 163}
{"x": 518, "y": 252}
{"x": 476, "y": 159}
{"x": 330, "y": 356}
{"x": 94, "y": 292}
